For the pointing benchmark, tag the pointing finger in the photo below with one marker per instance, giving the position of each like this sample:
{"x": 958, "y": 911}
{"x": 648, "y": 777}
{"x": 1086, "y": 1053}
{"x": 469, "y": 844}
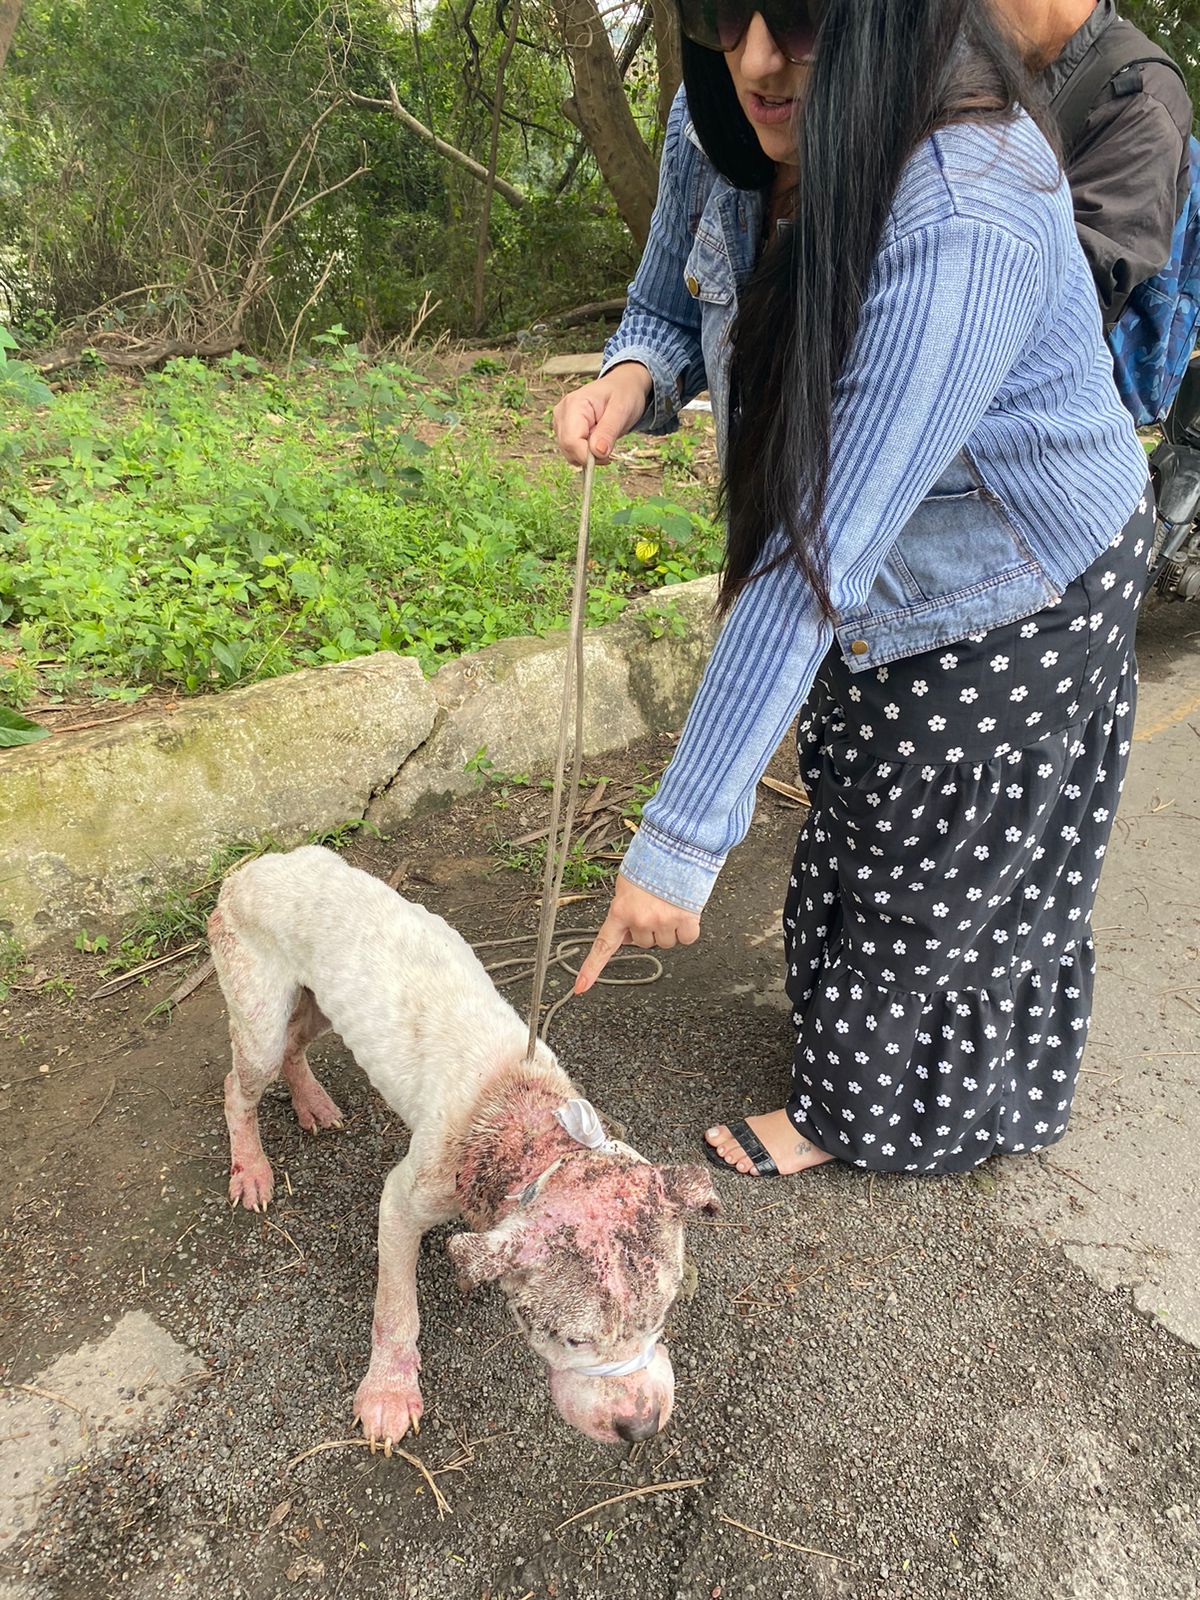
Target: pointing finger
{"x": 605, "y": 945}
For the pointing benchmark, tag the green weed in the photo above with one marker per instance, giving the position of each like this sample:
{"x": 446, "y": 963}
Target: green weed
{"x": 216, "y": 525}
{"x": 13, "y": 959}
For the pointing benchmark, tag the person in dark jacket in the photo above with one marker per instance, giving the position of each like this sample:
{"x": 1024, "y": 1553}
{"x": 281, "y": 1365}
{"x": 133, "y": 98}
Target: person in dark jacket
{"x": 1128, "y": 172}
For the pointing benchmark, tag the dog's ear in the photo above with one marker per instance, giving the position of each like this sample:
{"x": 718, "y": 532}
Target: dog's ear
{"x": 690, "y": 1189}
{"x": 483, "y": 1257}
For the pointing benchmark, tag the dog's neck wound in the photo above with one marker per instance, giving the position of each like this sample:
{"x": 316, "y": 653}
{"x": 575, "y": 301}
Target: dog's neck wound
{"x": 580, "y": 1119}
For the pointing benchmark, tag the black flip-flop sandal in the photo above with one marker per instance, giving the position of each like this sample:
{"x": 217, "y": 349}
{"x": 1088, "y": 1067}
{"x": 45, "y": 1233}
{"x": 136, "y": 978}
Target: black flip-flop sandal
{"x": 753, "y": 1148}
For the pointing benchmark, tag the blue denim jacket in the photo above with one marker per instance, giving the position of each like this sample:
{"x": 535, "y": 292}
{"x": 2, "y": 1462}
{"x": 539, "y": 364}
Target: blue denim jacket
{"x": 981, "y": 456}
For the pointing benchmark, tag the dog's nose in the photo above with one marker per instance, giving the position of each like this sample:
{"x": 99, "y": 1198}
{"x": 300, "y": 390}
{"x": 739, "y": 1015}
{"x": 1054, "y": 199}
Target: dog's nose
{"x": 634, "y": 1429}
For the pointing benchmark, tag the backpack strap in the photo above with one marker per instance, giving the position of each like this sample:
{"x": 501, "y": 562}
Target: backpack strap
{"x": 1113, "y": 57}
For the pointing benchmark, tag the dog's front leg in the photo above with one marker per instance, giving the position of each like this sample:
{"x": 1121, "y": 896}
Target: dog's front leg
{"x": 388, "y": 1401}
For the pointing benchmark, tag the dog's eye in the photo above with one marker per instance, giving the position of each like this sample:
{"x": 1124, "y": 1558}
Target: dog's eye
{"x": 574, "y": 1343}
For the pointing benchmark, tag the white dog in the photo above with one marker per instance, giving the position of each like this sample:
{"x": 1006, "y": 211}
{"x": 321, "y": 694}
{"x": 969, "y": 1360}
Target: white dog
{"x": 584, "y": 1236}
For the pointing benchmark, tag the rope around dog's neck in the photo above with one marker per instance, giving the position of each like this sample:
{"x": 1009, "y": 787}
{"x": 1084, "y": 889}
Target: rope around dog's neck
{"x": 558, "y": 849}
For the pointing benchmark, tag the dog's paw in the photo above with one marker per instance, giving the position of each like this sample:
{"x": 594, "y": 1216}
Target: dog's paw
{"x": 253, "y": 1183}
{"x": 314, "y": 1109}
{"x": 388, "y": 1402}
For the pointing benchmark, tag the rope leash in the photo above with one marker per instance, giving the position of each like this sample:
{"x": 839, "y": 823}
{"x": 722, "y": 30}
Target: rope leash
{"x": 557, "y": 850}
{"x": 572, "y": 940}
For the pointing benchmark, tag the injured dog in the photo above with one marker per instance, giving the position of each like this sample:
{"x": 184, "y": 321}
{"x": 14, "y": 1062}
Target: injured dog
{"x": 584, "y": 1236}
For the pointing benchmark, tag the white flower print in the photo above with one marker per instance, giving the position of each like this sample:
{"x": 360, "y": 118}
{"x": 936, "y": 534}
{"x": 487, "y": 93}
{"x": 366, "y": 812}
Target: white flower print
{"x": 906, "y": 747}
{"x": 1063, "y": 685}
{"x": 881, "y": 674}
{"x": 1018, "y": 692}
{"x": 986, "y": 724}
{"x": 948, "y": 661}
{"x": 954, "y": 753}
{"x": 1107, "y": 581}
{"x": 1028, "y": 630}
{"x": 855, "y": 692}
{"x": 999, "y": 663}
{"x": 1049, "y": 658}
{"x": 891, "y": 711}
{"x": 969, "y": 696}
{"x": 982, "y": 852}
{"x": 941, "y": 909}
{"x": 887, "y": 1149}
{"x": 974, "y": 894}
{"x": 1035, "y": 1094}
{"x": 920, "y": 687}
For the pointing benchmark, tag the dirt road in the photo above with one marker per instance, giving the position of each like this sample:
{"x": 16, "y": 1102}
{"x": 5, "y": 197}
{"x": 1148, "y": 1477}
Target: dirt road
{"x": 887, "y": 1387}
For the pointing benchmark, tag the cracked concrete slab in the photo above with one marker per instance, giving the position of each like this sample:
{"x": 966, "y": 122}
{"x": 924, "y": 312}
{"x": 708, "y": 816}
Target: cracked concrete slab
{"x": 92, "y": 823}
{"x": 77, "y": 1409}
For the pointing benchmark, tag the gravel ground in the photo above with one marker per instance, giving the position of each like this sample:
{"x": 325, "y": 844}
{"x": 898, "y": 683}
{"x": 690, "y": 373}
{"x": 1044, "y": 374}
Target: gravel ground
{"x": 891, "y": 1389}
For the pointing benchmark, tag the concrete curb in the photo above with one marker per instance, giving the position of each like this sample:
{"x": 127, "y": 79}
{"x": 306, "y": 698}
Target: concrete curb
{"x": 93, "y": 824}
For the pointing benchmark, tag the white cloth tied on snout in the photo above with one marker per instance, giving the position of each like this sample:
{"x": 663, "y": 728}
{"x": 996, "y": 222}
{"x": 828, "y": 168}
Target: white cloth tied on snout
{"x": 622, "y": 1369}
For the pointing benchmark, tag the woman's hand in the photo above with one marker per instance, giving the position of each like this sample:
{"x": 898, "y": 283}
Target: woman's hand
{"x": 636, "y": 917}
{"x": 595, "y": 417}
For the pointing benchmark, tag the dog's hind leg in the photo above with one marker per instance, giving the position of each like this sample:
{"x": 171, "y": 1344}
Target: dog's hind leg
{"x": 260, "y": 1003}
{"x": 314, "y": 1109}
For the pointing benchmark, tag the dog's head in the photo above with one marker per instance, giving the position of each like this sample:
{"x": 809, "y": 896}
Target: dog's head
{"x": 591, "y": 1264}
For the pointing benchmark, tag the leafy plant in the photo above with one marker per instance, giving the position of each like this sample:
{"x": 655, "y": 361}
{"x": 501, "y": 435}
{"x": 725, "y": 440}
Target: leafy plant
{"x": 18, "y": 380}
{"x": 12, "y": 960}
{"x": 16, "y": 729}
{"x": 214, "y": 526}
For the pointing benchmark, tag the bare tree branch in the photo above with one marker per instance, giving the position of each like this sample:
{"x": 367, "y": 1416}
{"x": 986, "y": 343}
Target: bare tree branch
{"x": 508, "y": 191}
{"x": 506, "y": 50}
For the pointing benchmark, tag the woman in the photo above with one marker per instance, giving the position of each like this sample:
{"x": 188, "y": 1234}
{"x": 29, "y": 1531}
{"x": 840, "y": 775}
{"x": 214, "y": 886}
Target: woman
{"x": 938, "y": 533}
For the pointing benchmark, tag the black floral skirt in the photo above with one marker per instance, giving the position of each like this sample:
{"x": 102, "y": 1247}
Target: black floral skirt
{"x": 938, "y": 921}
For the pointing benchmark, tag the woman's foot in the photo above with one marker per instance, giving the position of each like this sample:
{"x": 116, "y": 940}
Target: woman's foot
{"x": 790, "y": 1151}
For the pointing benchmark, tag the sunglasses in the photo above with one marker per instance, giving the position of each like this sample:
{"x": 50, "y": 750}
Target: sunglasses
{"x": 721, "y": 24}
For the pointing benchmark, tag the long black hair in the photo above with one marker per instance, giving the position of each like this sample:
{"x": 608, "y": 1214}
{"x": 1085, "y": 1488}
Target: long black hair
{"x": 886, "y": 73}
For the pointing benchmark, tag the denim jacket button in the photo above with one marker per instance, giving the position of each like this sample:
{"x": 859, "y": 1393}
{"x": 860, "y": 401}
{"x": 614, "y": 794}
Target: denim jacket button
{"x": 693, "y": 285}
{"x": 859, "y": 646}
